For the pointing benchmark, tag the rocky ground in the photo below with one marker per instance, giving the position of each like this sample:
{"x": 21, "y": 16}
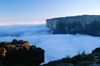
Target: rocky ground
{"x": 19, "y": 53}
{"x": 82, "y": 59}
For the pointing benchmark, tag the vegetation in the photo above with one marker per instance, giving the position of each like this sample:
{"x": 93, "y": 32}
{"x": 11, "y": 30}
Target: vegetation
{"x": 68, "y": 56}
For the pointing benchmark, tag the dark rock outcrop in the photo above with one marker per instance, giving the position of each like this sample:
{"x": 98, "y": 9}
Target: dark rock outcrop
{"x": 82, "y": 59}
{"x": 85, "y": 24}
{"x": 19, "y": 53}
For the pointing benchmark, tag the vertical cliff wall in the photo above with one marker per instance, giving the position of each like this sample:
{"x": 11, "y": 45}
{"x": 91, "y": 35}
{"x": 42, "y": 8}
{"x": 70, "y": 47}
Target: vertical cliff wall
{"x": 85, "y": 24}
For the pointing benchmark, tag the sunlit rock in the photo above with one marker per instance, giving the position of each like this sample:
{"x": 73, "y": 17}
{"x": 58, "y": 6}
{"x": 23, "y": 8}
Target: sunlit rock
{"x": 17, "y": 53}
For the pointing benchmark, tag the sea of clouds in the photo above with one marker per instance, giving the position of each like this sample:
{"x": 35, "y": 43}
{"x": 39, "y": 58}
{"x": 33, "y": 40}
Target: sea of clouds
{"x": 56, "y": 46}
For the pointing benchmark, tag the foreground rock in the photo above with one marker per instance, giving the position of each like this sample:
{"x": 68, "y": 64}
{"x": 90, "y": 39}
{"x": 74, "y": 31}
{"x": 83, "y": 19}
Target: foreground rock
{"x": 19, "y": 53}
{"x": 85, "y": 24}
{"x": 82, "y": 59}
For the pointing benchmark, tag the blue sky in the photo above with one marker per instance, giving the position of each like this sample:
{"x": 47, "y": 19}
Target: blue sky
{"x": 40, "y": 10}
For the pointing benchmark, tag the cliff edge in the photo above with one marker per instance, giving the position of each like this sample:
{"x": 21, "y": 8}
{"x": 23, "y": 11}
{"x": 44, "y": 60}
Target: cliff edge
{"x": 84, "y": 24}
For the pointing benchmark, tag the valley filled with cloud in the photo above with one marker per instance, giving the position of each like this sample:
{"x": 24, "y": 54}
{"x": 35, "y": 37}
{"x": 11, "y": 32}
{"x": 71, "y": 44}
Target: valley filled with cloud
{"x": 56, "y": 46}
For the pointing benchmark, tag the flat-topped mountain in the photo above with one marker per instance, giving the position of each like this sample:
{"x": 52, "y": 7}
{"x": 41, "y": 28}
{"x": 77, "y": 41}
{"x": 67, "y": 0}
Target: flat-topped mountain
{"x": 83, "y": 24}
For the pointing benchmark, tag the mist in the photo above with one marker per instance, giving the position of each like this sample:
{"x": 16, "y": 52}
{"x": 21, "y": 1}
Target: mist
{"x": 56, "y": 46}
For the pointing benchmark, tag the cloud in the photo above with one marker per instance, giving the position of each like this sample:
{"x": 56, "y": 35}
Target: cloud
{"x": 22, "y": 22}
{"x": 55, "y": 46}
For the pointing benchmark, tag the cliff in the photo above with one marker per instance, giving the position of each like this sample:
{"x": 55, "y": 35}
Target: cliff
{"x": 84, "y": 24}
{"x": 19, "y": 53}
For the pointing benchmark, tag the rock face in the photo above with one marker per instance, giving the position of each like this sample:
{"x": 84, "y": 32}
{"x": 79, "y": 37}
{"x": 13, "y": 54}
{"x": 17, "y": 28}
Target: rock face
{"x": 85, "y": 24}
{"x": 19, "y": 53}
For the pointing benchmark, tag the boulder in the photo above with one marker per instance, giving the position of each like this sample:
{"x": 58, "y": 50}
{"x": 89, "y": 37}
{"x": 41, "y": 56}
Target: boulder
{"x": 17, "y": 53}
{"x": 15, "y": 41}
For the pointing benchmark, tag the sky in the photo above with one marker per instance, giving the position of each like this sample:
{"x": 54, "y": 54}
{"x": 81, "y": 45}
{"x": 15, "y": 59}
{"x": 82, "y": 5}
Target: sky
{"x": 40, "y": 10}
